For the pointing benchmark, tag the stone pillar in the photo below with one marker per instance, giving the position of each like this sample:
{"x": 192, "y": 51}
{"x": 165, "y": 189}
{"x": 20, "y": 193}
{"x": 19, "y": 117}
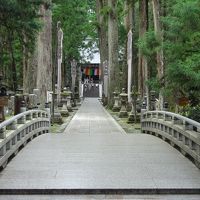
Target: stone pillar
{"x": 18, "y": 100}
{"x": 37, "y": 93}
{"x": 143, "y": 109}
{"x": 47, "y": 108}
{"x": 26, "y": 99}
{"x": 22, "y": 106}
{"x": 9, "y": 107}
{"x": 152, "y": 100}
{"x": 166, "y": 106}
{"x": 116, "y": 107}
{"x": 124, "y": 98}
{"x": 32, "y": 101}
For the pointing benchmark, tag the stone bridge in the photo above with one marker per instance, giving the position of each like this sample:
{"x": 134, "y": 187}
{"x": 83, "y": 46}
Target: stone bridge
{"x": 95, "y": 156}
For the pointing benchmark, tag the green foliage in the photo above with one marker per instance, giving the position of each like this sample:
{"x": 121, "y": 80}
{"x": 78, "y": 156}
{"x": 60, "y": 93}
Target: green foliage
{"x": 19, "y": 25}
{"x": 78, "y": 24}
{"x": 194, "y": 113}
{"x": 149, "y": 44}
{"x": 154, "y": 84}
{"x": 182, "y": 49}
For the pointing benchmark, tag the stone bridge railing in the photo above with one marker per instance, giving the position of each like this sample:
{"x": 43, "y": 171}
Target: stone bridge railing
{"x": 181, "y": 132}
{"x": 20, "y": 129}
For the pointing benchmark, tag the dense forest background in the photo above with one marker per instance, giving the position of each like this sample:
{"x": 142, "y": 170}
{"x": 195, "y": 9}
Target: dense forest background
{"x": 166, "y": 44}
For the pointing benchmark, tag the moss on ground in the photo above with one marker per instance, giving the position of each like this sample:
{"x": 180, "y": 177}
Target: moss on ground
{"x": 128, "y": 127}
{"x": 59, "y": 128}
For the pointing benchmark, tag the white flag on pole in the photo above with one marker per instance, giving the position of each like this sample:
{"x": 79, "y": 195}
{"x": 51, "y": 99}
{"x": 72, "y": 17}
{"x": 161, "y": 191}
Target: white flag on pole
{"x": 129, "y": 62}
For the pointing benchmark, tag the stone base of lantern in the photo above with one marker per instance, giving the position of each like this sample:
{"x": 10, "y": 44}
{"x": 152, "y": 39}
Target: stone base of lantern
{"x": 69, "y": 108}
{"x": 64, "y": 113}
{"x": 57, "y": 118}
{"x": 131, "y": 118}
{"x": 116, "y": 109}
{"x": 123, "y": 114}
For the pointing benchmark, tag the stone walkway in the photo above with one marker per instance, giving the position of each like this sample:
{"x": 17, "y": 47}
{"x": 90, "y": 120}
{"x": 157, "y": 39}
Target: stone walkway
{"x": 95, "y": 153}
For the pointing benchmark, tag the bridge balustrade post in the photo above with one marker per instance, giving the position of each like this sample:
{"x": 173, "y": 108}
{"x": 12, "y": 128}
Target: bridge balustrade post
{"x": 21, "y": 120}
{"x": 3, "y": 133}
{"x": 35, "y": 115}
{"x": 198, "y": 150}
{"x": 12, "y": 126}
{"x": 29, "y": 116}
{"x": 198, "y": 131}
{"x": 167, "y": 117}
{"x": 39, "y": 114}
{"x": 157, "y": 115}
{"x": 3, "y": 150}
{"x": 187, "y": 126}
{"x": 175, "y": 120}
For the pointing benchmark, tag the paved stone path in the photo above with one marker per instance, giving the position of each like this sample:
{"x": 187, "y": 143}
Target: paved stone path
{"x": 94, "y": 152}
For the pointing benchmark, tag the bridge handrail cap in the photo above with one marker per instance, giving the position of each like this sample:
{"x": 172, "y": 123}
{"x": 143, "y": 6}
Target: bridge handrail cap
{"x": 190, "y": 121}
{"x": 16, "y": 117}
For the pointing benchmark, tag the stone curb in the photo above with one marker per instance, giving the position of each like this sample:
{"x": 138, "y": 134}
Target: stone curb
{"x": 136, "y": 191}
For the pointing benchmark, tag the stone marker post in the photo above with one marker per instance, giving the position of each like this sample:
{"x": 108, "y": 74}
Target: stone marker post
{"x": 37, "y": 93}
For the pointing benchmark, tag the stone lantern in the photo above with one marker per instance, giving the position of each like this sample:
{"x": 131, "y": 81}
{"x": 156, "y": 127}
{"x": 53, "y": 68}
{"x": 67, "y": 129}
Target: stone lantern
{"x": 133, "y": 117}
{"x": 69, "y": 97}
{"x": 56, "y": 116}
{"x": 124, "y": 99}
{"x": 32, "y": 101}
{"x": 64, "y": 111}
{"x": 116, "y": 107}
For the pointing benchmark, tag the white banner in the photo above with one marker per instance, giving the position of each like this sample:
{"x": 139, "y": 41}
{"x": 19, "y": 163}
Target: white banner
{"x": 59, "y": 61}
{"x": 105, "y": 82}
{"x": 129, "y": 62}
